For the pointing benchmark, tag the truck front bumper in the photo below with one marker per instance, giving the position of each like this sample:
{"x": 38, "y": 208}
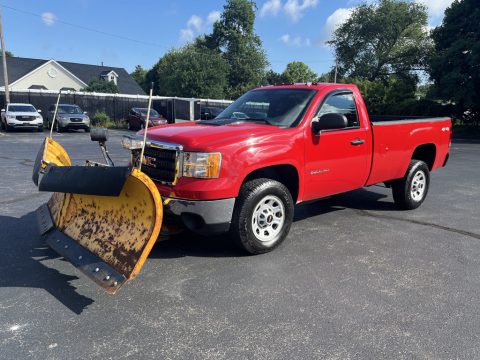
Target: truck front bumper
{"x": 205, "y": 217}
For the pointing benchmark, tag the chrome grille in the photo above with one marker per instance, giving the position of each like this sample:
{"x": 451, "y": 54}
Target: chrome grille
{"x": 25, "y": 117}
{"x": 160, "y": 164}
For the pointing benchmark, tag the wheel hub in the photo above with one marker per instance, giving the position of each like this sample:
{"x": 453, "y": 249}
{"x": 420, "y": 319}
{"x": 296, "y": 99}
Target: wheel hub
{"x": 419, "y": 182}
{"x": 268, "y": 218}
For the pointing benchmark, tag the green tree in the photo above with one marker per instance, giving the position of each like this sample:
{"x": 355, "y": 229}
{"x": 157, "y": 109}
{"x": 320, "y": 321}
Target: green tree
{"x": 233, "y": 36}
{"x": 297, "y": 72}
{"x": 139, "y": 75}
{"x": 7, "y": 54}
{"x": 191, "y": 71}
{"x": 101, "y": 86}
{"x": 454, "y": 65}
{"x": 381, "y": 39}
{"x": 272, "y": 78}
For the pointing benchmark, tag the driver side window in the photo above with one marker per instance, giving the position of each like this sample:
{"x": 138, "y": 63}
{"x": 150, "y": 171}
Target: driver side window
{"x": 341, "y": 103}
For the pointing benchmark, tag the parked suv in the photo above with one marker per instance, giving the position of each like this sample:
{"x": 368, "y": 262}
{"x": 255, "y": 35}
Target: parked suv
{"x": 136, "y": 118}
{"x": 18, "y": 116}
{"x": 69, "y": 116}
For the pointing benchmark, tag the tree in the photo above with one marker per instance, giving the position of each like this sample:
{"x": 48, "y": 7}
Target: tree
{"x": 7, "y": 54}
{"x": 297, "y": 72}
{"x": 101, "y": 86}
{"x": 454, "y": 65}
{"x": 139, "y": 75}
{"x": 233, "y": 36}
{"x": 381, "y": 39}
{"x": 273, "y": 78}
{"x": 191, "y": 71}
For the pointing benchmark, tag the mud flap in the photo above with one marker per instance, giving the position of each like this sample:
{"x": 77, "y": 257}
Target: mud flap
{"x": 107, "y": 233}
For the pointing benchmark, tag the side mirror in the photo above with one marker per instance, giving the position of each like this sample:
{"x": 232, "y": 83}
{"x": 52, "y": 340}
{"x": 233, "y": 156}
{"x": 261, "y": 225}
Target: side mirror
{"x": 99, "y": 134}
{"x": 85, "y": 112}
{"x": 39, "y": 110}
{"x": 330, "y": 121}
{"x": 3, "y": 110}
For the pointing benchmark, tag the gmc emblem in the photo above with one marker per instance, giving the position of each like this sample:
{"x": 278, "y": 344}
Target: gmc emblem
{"x": 149, "y": 161}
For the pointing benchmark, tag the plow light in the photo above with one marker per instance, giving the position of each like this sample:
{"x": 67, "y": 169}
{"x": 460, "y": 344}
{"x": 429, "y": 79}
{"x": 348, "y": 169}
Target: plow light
{"x": 202, "y": 165}
{"x": 132, "y": 142}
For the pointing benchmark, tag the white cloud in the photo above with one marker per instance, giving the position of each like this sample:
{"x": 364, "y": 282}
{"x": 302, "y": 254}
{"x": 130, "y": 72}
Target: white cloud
{"x": 296, "y": 41}
{"x": 49, "y": 18}
{"x": 197, "y": 25}
{"x": 186, "y": 35}
{"x": 337, "y": 18}
{"x": 295, "y": 10}
{"x": 195, "y": 22}
{"x": 436, "y": 8}
{"x": 271, "y": 7}
{"x": 214, "y": 16}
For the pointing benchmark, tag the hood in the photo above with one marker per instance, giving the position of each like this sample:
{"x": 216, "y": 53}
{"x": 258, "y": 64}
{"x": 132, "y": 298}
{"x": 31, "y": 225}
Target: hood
{"x": 197, "y": 136}
{"x": 23, "y": 113}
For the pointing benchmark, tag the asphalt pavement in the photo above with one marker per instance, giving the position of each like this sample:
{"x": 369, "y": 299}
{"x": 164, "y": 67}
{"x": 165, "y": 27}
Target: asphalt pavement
{"x": 355, "y": 279}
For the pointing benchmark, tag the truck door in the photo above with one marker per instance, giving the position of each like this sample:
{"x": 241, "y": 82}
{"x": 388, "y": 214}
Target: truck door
{"x": 337, "y": 160}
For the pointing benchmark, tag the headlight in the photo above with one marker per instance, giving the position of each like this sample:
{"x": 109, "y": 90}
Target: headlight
{"x": 39, "y": 117}
{"x": 60, "y": 117}
{"x": 10, "y": 116}
{"x": 202, "y": 165}
{"x": 132, "y": 143}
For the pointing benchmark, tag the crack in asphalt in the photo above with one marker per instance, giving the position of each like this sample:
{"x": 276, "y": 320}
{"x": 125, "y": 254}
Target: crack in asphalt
{"x": 418, "y": 222}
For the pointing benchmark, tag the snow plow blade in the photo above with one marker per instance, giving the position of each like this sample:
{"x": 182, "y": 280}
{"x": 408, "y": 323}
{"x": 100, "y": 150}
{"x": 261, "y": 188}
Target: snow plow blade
{"x": 105, "y": 231}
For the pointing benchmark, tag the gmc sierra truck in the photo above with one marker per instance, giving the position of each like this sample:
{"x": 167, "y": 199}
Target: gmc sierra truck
{"x": 277, "y": 146}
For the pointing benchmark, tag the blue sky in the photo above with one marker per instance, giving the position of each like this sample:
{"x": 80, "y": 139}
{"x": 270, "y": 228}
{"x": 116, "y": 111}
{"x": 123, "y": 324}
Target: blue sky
{"x": 290, "y": 29}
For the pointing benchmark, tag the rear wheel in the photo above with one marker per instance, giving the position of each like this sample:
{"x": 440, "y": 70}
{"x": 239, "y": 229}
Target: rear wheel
{"x": 262, "y": 216}
{"x": 410, "y": 191}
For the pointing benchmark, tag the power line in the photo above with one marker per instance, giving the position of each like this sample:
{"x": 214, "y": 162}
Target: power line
{"x": 86, "y": 28}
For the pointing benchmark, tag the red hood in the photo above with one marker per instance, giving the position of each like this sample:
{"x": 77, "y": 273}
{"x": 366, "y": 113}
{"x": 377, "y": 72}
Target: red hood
{"x": 195, "y": 136}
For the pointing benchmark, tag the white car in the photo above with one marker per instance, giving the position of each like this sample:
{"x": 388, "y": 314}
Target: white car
{"x": 18, "y": 116}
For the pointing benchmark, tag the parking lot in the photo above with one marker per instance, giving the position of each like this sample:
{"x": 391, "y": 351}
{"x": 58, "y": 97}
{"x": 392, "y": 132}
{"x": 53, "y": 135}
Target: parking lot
{"x": 356, "y": 278}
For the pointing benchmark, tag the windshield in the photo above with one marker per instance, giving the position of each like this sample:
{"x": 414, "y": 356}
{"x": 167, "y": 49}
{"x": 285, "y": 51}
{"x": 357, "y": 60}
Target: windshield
{"x": 279, "y": 107}
{"x": 143, "y": 112}
{"x": 21, "y": 108}
{"x": 62, "y": 109}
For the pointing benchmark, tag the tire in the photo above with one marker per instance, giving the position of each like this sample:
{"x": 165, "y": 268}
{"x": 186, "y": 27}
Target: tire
{"x": 8, "y": 128}
{"x": 410, "y": 192}
{"x": 40, "y": 129}
{"x": 87, "y": 130}
{"x": 255, "y": 227}
{"x": 58, "y": 128}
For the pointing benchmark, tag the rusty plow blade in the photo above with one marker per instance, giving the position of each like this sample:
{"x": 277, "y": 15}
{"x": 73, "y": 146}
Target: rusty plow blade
{"x": 103, "y": 219}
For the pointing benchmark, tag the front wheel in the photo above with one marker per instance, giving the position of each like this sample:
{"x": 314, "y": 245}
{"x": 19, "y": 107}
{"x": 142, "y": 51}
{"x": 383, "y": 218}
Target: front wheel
{"x": 87, "y": 129}
{"x": 262, "y": 216}
{"x": 410, "y": 191}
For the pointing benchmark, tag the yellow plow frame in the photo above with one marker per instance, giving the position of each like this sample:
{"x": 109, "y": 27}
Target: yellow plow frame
{"x": 103, "y": 219}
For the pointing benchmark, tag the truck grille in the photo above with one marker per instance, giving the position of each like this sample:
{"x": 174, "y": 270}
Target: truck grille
{"x": 76, "y": 120}
{"x": 160, "y": 164}
{"x": 25, "y": 117}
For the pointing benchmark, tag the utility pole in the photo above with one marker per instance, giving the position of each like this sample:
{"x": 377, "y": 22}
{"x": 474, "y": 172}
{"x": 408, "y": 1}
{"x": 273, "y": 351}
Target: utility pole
{"x": 4, "y": 60}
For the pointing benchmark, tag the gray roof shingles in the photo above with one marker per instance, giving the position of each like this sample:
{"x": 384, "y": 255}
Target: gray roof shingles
{"x": 18, "y": 67}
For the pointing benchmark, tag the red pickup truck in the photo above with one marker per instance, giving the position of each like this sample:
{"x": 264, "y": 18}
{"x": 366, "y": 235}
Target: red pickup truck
{"x": 278, "y": 146}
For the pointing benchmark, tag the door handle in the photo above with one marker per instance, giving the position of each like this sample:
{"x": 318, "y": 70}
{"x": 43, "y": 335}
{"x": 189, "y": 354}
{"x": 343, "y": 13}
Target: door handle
{"x": 357, "y": 142}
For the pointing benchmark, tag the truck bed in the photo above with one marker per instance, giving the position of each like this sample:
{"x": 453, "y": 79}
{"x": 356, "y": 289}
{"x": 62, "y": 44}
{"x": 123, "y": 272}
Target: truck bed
{"x": 396, "y": 138}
